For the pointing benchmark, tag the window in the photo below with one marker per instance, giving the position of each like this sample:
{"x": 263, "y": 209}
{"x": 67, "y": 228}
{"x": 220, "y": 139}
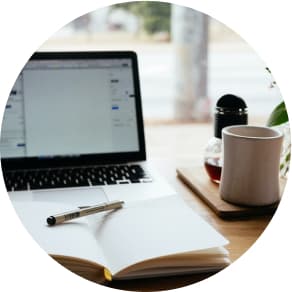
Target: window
{"x": 158, "y": 32}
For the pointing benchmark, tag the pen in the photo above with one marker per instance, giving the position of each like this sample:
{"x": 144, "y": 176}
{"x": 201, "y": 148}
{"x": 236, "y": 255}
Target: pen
{"x": 60, "y": 218}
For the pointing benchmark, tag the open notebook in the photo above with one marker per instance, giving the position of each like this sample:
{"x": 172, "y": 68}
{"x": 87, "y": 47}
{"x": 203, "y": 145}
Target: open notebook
{"x": 143, "y": 239}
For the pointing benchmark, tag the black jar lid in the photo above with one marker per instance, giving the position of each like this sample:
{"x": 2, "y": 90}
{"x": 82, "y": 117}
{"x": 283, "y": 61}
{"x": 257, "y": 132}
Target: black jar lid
{"x": 230, "y": 110}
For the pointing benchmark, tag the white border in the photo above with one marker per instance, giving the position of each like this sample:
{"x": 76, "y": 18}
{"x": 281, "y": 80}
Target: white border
{"x": 265, "y": 25}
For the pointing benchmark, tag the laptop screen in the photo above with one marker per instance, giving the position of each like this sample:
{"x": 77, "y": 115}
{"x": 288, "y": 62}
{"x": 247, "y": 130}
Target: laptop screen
{"x": 81, "y": 104}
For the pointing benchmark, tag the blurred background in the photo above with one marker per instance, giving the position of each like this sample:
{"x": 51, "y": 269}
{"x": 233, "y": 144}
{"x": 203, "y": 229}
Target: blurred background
{"x": 187, "y": 60}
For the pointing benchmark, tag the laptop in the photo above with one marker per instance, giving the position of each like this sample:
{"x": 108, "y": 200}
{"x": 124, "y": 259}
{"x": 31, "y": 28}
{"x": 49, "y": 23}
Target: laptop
{"x": 73, "y": 131}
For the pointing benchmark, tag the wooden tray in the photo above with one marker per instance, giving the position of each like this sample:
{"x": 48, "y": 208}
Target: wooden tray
{"x": 199, "y": 182}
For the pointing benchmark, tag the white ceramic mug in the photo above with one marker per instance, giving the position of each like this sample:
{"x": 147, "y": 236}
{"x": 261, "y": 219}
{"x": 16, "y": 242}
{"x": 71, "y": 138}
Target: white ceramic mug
{"x": 251, "y": 162}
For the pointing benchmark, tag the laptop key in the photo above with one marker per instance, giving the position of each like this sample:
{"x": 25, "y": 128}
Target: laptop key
{"x": 111, "y": 182}
{"x": 36, "y": 185}
{"x": 8, "y": 182}
{"x": 121, "y": 182}
{"x": 80, "y": 182}
{"x": 98, "y": 183}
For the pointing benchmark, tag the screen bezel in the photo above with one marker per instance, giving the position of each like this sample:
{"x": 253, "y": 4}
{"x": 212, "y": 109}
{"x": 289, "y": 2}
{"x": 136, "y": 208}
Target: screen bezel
{"x": 88, "y": 159}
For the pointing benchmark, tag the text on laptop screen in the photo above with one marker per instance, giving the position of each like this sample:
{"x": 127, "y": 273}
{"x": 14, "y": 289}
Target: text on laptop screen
{"x": 71, "y": 107}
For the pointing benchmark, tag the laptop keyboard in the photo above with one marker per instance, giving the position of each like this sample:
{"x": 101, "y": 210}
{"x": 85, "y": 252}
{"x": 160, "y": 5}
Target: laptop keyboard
{"x": 75, "y": 177}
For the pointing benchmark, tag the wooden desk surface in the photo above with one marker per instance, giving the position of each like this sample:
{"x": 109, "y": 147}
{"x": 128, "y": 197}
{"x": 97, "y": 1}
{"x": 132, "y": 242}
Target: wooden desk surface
{"x": 172, "y": 146}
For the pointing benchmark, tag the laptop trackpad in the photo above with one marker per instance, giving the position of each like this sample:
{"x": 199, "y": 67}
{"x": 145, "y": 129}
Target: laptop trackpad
{"x": 76, "y": 197}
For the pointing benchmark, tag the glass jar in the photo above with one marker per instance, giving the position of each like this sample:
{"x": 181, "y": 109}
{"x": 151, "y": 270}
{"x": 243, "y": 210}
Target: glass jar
{"x": 230, "y": 110}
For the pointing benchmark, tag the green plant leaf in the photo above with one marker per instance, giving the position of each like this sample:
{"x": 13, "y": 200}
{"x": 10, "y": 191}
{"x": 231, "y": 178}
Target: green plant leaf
{"x": 278, "y": 116}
